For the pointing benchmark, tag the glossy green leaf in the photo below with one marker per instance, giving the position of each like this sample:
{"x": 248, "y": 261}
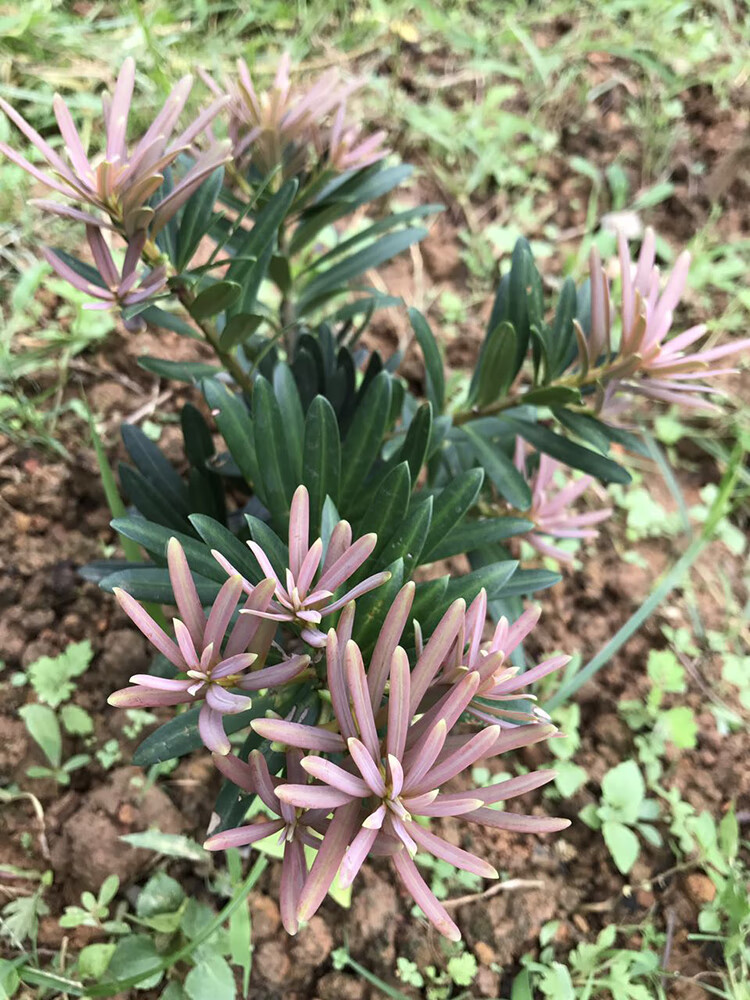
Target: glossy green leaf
{"x": 505, "y": 476}
{"x": 292, "y": 416}
{"x": 271, "y": 544}
{"x": 149, "y": 500}
{"x": 528, "y": 581}
{"x": 351, "y": 192}
{"x": 573, "y": 455}
{"x": 239, "y": 328}
{"x": 552, "y": 395}
{"x": 429, "y": 598}
{"x": 321, "y": 465}
{"x": 450, "y": 507}
{"x": 417, "y": 442}
{"x": 196, "y": 436}
{"x": 155, "y": 537}
{"x": 365, "y": 437}
{"x": 473, "y": 535}
{"x": 562, "y": 337}
{"x": 152, "y": 464}
{"x": 180, "y": 735}
{"x": 236, "y": 426}
{"x": 178, "y": 371}
{"x": 434, "y": 371}
{"x": 214, "y": 299}
{"x": 260, "y": 243}
{"x": 151, "y": 583}
{"x": 276, "y": 464}
{"x": 497, "y": 365}
{"x": 197, "y": 217}
{"x": 407, "y": 542}
{"x": 492, "y": 578}
{"x": 216, "y": 536}
{"x": 373, "y": 607}
{"x": 339, "y": 275}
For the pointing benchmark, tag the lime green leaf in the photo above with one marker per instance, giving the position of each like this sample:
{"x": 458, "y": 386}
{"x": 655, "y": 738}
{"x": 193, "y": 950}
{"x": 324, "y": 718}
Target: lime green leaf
{"x": 622, "y": 843}
{"x": 44, "y": 729}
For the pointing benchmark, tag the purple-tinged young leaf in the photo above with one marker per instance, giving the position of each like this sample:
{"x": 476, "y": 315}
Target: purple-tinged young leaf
{"x": 478, "y": 747}
{"x": 328, "y": 859}
{"x": 335, "y": 776}
{"x": 294, "y": 734}
{"x": 516, "y": 822}
{"x": 243, "y": 835}
{"x": 185, "y": 592}
{"x": 453, "y": 855}
{"x": 367, "y": 766}
{"x": 360, "y": 697}
{"x": 398, "y": 704}
{"x": 423, "y": 896}
{"x": 389, "y": 637}
{"x": 435, "y": 652}
{"x": 313, "y": 796}
{"x": 153, "y": 632}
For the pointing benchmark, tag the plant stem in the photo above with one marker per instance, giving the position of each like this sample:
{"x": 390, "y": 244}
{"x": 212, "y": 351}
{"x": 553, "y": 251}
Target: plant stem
{"x": 212, "y": 339}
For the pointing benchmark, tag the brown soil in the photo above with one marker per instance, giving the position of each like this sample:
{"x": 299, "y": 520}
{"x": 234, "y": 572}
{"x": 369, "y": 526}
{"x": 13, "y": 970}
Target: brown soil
{"x": 54, "y": 519}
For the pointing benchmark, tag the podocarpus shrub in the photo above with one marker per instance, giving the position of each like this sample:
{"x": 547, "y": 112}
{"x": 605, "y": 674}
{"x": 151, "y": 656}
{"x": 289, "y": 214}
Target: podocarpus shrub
{"x": 362, "y": 688}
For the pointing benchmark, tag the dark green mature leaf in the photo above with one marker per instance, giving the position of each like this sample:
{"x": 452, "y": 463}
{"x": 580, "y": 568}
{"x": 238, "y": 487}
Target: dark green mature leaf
{"x": 478, "y": 534}
{"x": 561, "y": 346}
{"x": 364, "y": 235}
{"x": 599, "y": 434}
{"x": 165, "y": 320}
{"x": 450, "y": 507}
{"x": 260, "y": 242}
{"x": 321, "y": 464}
{"x": 434, "y": 372}
{"x": 573, "y": 455}
{"x": 239, "y": 328}
{"x": 552, "y": 395}
{"x": 365, "y": 437}
{"x": 293, "y": 418}
{"x": 180, "y": 735}
{"x": 196, "y": 435}
{"x": 416, "y": 445}
{"x": 271, "y": 544}
{"x": 429, "y": 597}
{"x": 197, "y": 217}
{"x": 149, "y": 500}
{"x": 505, "y": 476}
{"x": 151, "y": 583}
{"x": 522, "y": 270}
{"x": 152, "y": 464}
{"x": 214, "y": 299}
{"x": 492, "y": 578}
{"x": 207, "y": 494}
{"x": 216, "y": 536}
{"x": 351, "y": 192}
{"x": 279, "y": 468}
{"x": 407, "y": 542}
{"x": 527, "y": 581}
{"x": 154, "y": 539}
{"x": 236, "y": 426}
{"x": 388, "y": 506}
{"x": 373, "y": 607}
{"x": 497, "y": 364}
{"x": 341, "y": 274}
{"x": 178, "y": 371}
